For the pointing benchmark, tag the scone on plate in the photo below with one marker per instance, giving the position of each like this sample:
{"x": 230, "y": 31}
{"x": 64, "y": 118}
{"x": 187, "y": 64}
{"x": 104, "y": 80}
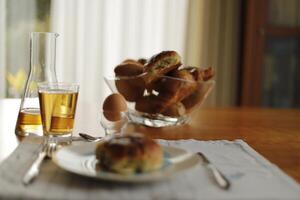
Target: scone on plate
{"x": 128, "y": 154}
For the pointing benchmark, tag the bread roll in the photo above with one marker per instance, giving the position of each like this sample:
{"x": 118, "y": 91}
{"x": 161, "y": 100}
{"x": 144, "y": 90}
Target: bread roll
{"x": 143, "y": 61}
{"x": 150, "y": 104}
{"x": 160, "y": 65}
{"x": 129, "y": 60}
{"x": 206, "y": 74}
{"x": 175, "y": 110}
{"x": 129, "y": 154}
{"x": 129, "y": 69}
{"x": 201, "y": 74}
{"x": 197, "y": 97}
{"x": 129, "y": 81}
{"x": 175, "y": 88}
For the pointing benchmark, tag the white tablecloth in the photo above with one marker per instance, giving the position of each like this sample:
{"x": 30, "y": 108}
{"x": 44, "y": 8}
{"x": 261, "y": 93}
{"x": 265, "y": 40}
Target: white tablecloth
{"x": 252, "y": 177}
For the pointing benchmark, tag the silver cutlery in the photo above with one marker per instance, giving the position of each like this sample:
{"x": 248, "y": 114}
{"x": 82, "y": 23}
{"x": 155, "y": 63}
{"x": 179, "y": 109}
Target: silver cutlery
{"x": 34, "y": 169}
{"x": 90, "y": 138}
{"x": 219, "y": 177}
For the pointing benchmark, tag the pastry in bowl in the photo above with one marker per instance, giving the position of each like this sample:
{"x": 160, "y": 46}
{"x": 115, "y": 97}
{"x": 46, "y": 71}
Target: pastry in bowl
{"x": 160, "y": 64}
{"x": 161, "y": 91}
{"x": 129, "y": 83}
{"x": 128, "y": 154}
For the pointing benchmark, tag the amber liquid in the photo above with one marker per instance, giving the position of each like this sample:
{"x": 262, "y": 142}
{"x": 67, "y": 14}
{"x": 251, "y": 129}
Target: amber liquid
{"x": 58, "y": 111}
{"x": 29, "y": 121}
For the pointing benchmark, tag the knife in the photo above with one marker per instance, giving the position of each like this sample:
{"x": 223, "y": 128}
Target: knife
{"x": 218, "y": 176}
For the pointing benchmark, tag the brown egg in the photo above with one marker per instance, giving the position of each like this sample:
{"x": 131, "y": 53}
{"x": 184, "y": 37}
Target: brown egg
{"x": 113, "y": 105}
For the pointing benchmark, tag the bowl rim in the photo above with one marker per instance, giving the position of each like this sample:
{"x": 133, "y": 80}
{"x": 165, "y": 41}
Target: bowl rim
{"x": 113, "y": 77}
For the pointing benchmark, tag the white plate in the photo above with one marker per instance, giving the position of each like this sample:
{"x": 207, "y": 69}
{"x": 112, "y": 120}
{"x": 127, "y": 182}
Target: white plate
{"x": 80, "y": 159}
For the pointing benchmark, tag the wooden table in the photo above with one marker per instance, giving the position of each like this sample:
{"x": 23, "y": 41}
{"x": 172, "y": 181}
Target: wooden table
{"x": 273, "y": 133}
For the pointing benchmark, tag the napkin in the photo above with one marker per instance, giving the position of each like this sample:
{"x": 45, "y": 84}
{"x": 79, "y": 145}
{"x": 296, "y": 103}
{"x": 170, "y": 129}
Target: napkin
{"x": 251, "y": 175}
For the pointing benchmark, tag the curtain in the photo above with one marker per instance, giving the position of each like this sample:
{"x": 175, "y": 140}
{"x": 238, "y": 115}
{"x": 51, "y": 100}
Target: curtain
{"x": 2, "y": 48}
{"x": 97, "y": 35}
{"x": 213, "y": 40}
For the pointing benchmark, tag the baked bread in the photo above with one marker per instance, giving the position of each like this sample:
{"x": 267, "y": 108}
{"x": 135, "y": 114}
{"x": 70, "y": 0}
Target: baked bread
{"x": 178, "y": 86}
{"x": 175, "y": 110}
{"x": 143, "y": 61}
{"x": 150, "y": 104}
{"x": 198, "y": 96}
{"x": 161, "y": 85}
{"x": 206, "y": 74}
{"x": 129, "y": 82}
{"x": 201, "y": 74}
{"x": 127, "y": 154}
{"x": 129, "y": 68}
{"x": 171, "y": 90}
{"x": 160, "y": 64}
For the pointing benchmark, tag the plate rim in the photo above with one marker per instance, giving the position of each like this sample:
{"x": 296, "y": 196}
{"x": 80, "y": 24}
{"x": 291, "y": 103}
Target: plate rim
{"x": 125, "y": 178}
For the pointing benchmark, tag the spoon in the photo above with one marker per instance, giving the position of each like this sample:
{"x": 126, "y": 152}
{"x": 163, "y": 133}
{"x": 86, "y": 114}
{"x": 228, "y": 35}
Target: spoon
{"x": 90, "y": 138}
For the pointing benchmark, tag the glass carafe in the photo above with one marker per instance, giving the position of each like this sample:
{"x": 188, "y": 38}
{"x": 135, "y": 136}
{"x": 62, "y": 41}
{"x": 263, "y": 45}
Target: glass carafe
{"x": 42, "y": 69}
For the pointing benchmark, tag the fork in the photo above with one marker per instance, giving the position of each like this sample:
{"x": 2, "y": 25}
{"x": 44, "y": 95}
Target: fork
{"x": 33, "y": 171}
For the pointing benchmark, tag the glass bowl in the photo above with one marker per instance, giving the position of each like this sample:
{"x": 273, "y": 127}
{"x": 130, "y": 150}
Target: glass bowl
{"x": 168, "y": 101}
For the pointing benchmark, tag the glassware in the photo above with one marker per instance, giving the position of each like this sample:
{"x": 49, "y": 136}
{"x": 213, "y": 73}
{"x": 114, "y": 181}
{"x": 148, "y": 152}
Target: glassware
{"x": 58, "y": 107}
{"x": 113, "y": 122}
{"x": 42, "y": 69}
{"x": 148, "y": 107}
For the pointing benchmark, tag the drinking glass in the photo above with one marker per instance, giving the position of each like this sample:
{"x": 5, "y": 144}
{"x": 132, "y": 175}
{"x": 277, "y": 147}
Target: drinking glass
{"x": 58, "y": 106}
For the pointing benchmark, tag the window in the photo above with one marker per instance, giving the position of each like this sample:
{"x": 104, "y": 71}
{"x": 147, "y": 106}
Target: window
{"x": 21, "y": 18}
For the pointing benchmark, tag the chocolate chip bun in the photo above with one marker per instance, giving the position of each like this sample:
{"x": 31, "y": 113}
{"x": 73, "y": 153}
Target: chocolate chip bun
{"x": 129, "y": 154}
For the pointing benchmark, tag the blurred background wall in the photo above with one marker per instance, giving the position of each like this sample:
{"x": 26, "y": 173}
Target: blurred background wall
{"x": 253, "y": 44}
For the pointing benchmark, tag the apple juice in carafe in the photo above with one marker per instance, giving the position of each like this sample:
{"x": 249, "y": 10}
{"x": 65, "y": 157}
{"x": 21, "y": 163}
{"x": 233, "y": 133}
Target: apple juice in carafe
{"x": 42, "y": 69}
{"x": 29, "y": 121}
